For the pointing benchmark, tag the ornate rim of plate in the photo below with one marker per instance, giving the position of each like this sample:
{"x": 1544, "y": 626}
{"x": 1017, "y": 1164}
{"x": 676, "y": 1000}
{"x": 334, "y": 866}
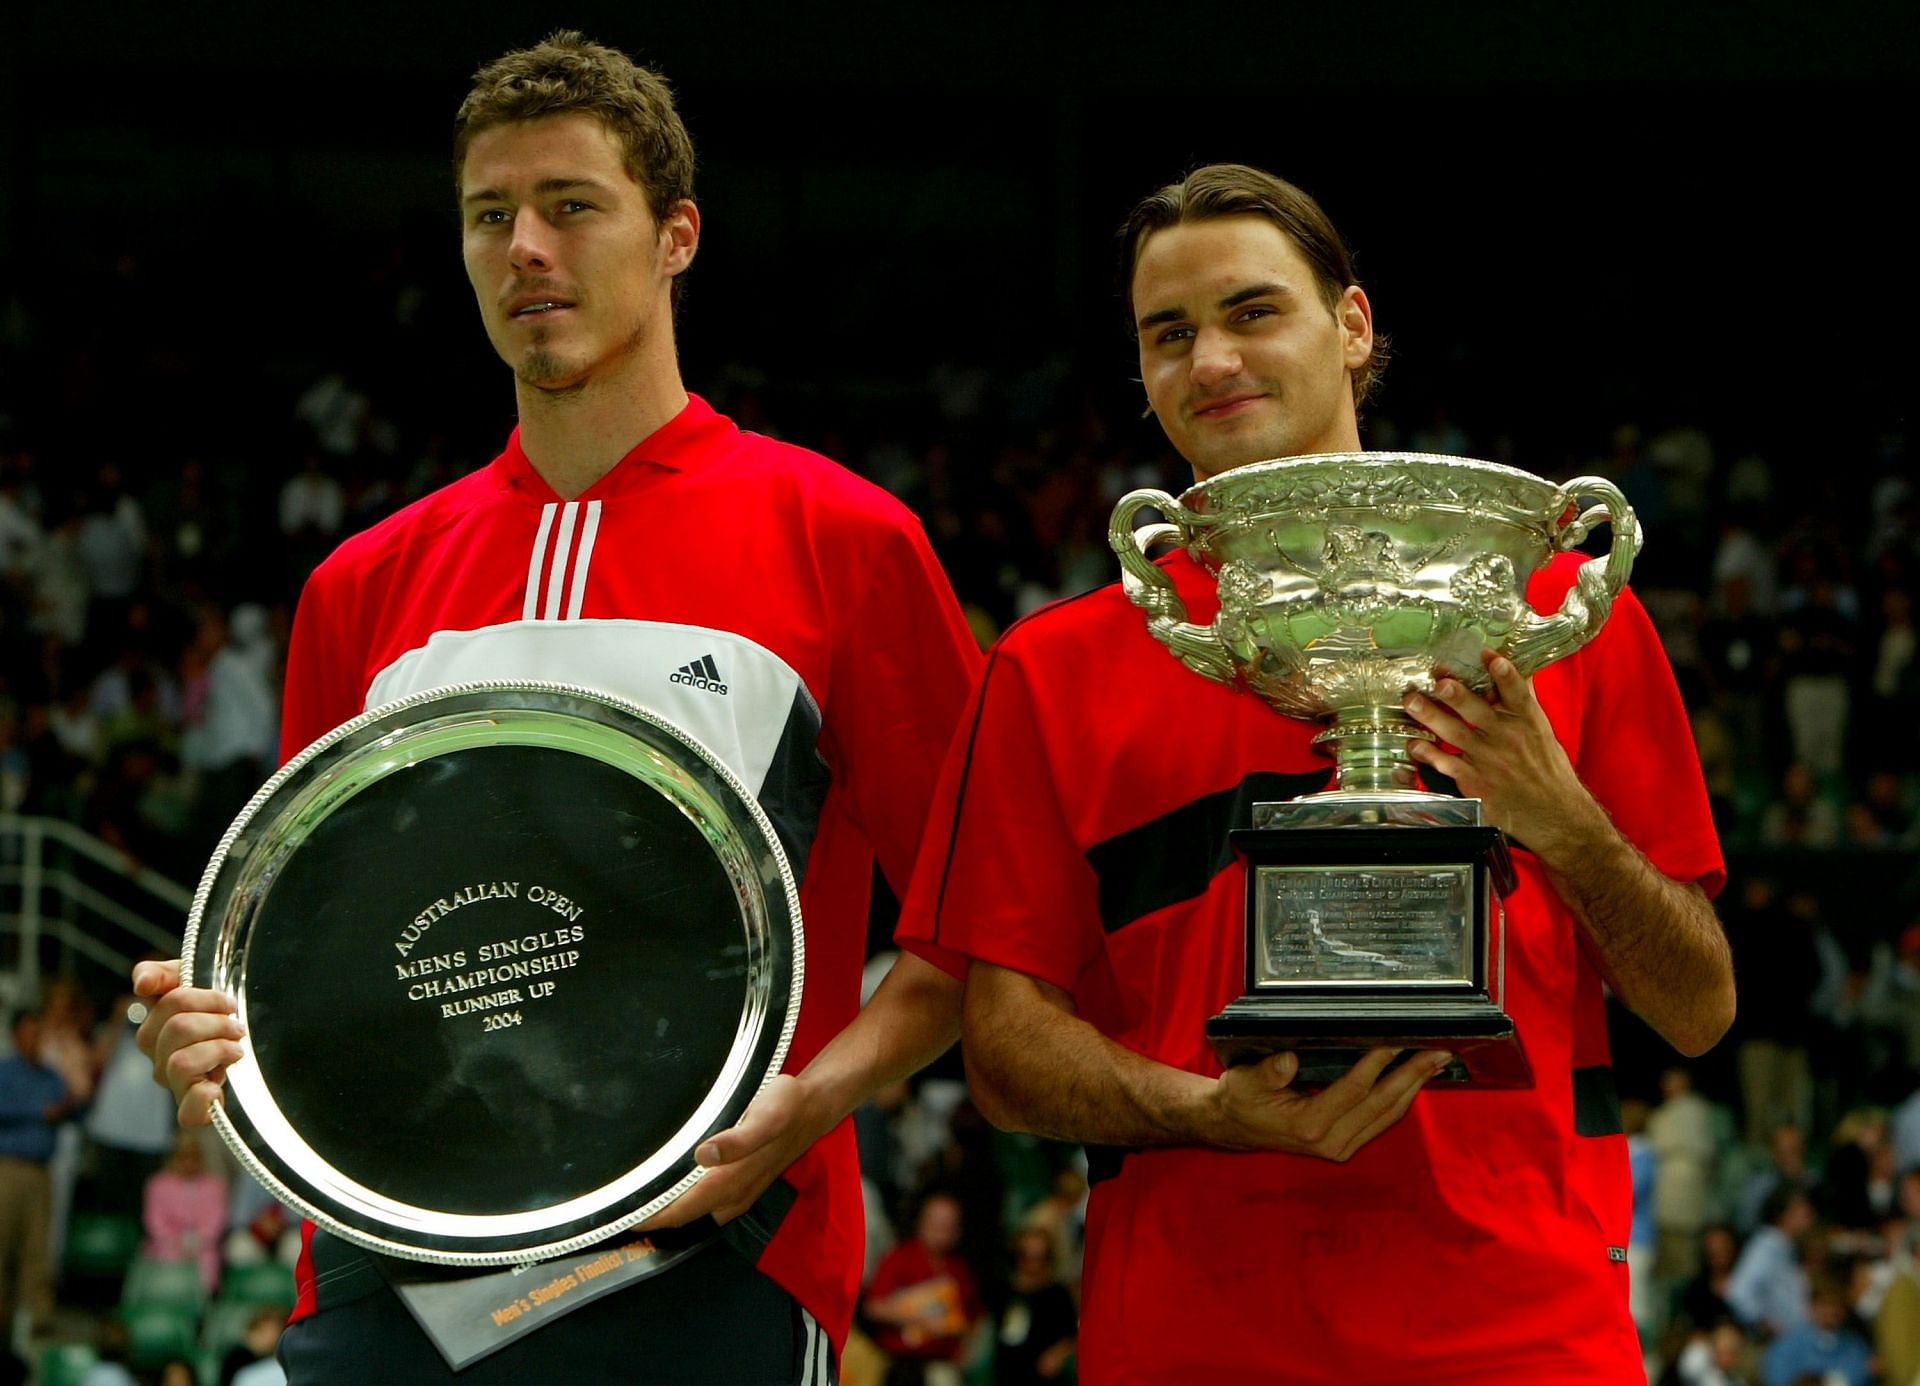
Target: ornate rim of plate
{"x": 361, "y": 753}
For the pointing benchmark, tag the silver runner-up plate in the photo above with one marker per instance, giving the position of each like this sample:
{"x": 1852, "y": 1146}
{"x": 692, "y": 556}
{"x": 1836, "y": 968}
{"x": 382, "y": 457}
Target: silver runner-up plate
{"x": 505, "y": 954}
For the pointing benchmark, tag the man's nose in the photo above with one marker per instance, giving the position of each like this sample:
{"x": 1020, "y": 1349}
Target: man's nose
{"x": 532, "y": 247}
{"x": 1216, "y": 357}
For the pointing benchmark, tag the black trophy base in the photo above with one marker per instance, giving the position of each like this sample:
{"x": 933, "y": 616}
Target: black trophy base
{"x": 1330, "y": 1035}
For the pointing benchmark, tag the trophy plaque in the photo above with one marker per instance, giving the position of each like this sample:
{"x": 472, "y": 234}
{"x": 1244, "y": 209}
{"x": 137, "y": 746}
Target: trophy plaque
{"x": 1346, "y": 581}
{"x": 505, "y": 955}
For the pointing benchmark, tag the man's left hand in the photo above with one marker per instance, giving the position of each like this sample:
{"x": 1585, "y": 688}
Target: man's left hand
{"x": 743, "y": 1160}
{"x": 1507, "y": 756}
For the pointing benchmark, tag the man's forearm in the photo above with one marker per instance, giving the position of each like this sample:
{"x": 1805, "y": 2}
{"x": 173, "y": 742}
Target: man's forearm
{"x": 1034, "y": 1065}
{"x": 1657, "y": 942}
{"x": 912, "y": 1019}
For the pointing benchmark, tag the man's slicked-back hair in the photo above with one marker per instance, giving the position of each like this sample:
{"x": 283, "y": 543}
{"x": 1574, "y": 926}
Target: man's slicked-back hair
{"x": 1240, "y": 190}
{"x": 565, "y": 73}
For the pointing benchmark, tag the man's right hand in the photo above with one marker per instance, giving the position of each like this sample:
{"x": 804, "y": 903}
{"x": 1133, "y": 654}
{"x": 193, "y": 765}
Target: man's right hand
{"x": 1035, "y": 1065}
{"x": 191, "y": 1034}
{"x": 1254, "y": 1106}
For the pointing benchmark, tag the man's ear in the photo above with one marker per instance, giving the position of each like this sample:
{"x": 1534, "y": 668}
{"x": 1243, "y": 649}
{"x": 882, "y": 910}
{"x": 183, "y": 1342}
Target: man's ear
{"x": 679, "y": 237}
{"x": 1355, "y": 316}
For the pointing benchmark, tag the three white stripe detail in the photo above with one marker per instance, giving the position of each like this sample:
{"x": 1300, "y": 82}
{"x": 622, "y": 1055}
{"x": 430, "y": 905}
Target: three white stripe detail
{"x": 545, "y": 605}
{"x": 818, "y": 1368}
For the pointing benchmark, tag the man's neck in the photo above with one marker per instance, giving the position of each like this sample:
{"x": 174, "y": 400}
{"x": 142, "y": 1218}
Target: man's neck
{"x": 574, "y": 437}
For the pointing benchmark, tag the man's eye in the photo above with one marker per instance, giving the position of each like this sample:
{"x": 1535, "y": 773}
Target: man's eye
{"x": 1174, "y": 334}
{"x": 492, "y": 216}
{"x": 574, "y": 204}
{"x": 1249, "y": 314}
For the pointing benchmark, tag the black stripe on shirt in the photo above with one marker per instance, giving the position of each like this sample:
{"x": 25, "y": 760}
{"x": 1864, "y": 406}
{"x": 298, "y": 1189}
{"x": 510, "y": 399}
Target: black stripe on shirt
{"x": 1174, "y": 857}
{"x": 796, "y": 784}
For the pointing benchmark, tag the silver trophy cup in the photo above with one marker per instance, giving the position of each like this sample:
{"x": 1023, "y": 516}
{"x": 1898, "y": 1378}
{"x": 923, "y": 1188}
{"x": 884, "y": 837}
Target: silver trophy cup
{"x": 1345, "y": 581}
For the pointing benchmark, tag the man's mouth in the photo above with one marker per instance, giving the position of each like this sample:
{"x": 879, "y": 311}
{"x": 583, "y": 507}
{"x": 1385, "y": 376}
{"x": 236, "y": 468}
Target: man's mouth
{"x": 1222, "y": 408}
{"x": 537, "y": 307}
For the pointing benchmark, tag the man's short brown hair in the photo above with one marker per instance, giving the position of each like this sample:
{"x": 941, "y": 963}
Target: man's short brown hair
{"x": 1239, "y": 190}
{"x": 565, "y": 73}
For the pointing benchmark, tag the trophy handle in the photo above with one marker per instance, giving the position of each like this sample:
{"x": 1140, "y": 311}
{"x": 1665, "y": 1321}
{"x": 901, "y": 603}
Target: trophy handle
{"x": 1539, "y": 640}
{"x": 1198, "y": 647}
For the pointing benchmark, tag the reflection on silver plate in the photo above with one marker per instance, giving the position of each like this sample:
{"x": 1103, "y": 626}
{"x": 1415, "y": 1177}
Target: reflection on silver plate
{"x": 505, "y": 954}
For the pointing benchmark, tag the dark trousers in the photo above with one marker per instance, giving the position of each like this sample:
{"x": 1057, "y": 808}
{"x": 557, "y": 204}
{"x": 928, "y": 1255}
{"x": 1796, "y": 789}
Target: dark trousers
{"x": 712, "y": 1320}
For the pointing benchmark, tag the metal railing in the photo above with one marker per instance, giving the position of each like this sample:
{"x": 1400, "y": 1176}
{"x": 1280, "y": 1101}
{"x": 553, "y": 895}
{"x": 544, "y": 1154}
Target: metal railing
{"x": 45, "y": 896}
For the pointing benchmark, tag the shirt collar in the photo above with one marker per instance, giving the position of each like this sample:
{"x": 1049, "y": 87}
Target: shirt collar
{"x": 688, "y": 441}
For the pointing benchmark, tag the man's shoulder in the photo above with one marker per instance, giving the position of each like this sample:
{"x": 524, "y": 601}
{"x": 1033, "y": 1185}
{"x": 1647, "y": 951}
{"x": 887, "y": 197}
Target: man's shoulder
{"x": 799, "y": 475}
{"x": 1104, "y": 616}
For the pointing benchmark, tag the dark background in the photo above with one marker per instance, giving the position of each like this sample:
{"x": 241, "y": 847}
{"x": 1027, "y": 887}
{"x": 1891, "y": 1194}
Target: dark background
{"x": 1568, "y": 216}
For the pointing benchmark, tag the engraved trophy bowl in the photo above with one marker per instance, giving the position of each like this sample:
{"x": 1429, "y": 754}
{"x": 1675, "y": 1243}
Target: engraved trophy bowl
{"x": 505, "y": 954}
{"x": 1346, "y": 581}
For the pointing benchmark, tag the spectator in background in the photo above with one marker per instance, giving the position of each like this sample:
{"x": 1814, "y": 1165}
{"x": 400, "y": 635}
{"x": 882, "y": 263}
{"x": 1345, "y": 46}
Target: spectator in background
{"x": 266, "y": 1372}
{"x": 1895, "y": 682}
{"x": 235, "y": 741}
{"x": 34, "y": 1100}
{"x": 1703, "y": 1303}
{"x": 134, "y": 697}
{"x": 113, "y": 1347}
{"x": 1778, "y": 961}
{"x": 67, "y": 1017}
{"x": 1743, "y": 557}
{"x": 1823, "y": 1346}
{"x": 20, "y": 532}
{"x": 1896, "y": 1317}
{"x": 60, "y": 594}
{"x": 1062, "y": 1215}
{"x": 185, "y": 1211}
{"x": 1768, "y": 1287}
{"x": 1736, "y": 655}
{"x": 129, "y": 1128}
{"x": 16, "y": 769}
{"x": 1786, "y": 1168}
{"x": 1905, "y": 1120}
{"x": 1680, "y": 1134}
{"x": 259, "y": 1227}
{"x": 336, "y": 413}
{"x": 1801, "y": 815}
{"x": 1720, "y": 1356}
{"x": 112, "y": 546}
{"x": 1819, "y": 644}
{"x": 256, "y": 1345}
{"x": 75, "y": 727}
{"x": 1036, "y": 1329}
{"x": 1889, "y": 1009}
{"x": 1643, "y": 1243}
{"x": 1881, "y": 819}
{"x": 922, "y": 1300}
{"x": 1857, "y": 1188}
{"x": 313, "y": 505}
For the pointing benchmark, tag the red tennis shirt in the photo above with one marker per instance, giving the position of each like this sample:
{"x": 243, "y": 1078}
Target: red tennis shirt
{"x": 1080, "y": 837}
{"x": 788, "y": 614}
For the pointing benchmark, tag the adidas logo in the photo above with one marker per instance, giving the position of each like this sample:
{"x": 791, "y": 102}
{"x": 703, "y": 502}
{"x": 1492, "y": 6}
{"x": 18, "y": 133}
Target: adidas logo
{"x": 702, "y": 673}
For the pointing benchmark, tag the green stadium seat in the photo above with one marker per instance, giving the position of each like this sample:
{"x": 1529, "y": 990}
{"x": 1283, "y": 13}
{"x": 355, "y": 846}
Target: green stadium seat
{"x": 65, "y": 1364}
{"x": 225, "y": 1324}
{"x": 159, "y": 1333}
{"x": 101, "y": 1244}
{"x": 164, "y": 1282}
{"x": 268, "y": 1282}
{"x": 207, "y": 1366}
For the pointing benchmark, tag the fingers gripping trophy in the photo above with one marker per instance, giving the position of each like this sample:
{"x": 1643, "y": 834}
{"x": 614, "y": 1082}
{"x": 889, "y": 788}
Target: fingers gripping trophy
{"x": 1346, "y": 582}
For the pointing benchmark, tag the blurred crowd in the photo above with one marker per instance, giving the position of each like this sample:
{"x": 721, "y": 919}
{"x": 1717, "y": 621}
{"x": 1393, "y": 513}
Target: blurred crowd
{"x": 147, "y": 581}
